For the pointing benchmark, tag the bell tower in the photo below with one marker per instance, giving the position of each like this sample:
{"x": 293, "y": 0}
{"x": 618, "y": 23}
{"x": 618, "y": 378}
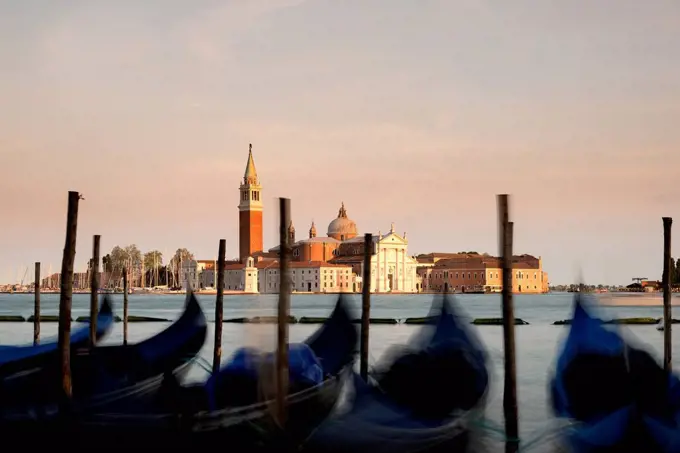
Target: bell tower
{"x": 291, "y": 233}
{"x": 250, "y": 211}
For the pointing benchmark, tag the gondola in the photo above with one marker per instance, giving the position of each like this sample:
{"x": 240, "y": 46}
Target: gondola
{"x": 616, "y": 396}
{"x": 425, "y": 400}
{"x": 118, "y": 377}
{"x": 17, "y": 362}
{"x": 235, "y": 407}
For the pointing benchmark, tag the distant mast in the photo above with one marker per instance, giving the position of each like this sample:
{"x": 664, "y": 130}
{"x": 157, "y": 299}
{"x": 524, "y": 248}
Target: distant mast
{"x": 167, "y": 282}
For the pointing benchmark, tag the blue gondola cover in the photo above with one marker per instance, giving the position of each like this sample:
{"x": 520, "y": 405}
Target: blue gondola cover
{"x": 303, "y": 364}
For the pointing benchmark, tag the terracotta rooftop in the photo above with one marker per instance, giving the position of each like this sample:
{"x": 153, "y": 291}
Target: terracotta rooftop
{"x": 349, "y": 259}
{"x": 274, "y": 264}
{"x": 482, "y": 262}
{"x": 306, "y": 264}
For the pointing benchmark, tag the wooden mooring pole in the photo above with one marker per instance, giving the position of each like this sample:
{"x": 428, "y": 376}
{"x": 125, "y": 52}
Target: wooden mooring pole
{"x": 283, "y": 313}
{"x": 94, "y": 289}
{"x": 219, "y": 306}
{"x": 125, "y": 306}
{"x": 66, "y": 297}
{"x": 365, "y": 306}
{"x": 667, "y": 294}
{"x": 36, "y": 307}
{"x": 510, "y": 411}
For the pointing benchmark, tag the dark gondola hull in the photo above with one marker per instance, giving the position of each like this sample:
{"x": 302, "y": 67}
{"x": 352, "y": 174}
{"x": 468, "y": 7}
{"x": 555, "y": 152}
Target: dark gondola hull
{"x": 616, "y": 396}
{"x": 17, "y": 362}
{"x": 109, "y": 378}
{"x": 387, "y": 416}
{"x": 243, "y": 428}
{"x": 376, "y": 425}
{"x": 249, "y": 428}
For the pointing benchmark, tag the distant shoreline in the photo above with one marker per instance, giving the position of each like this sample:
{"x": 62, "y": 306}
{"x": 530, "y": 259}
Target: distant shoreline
{"x": 622, "y": 299}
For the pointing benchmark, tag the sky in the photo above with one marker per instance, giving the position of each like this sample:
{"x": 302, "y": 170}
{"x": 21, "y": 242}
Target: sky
{"x": 417, "y": 112}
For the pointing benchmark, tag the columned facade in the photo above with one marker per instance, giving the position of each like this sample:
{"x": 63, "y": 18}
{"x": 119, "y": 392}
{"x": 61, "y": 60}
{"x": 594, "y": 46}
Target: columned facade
{"x": 392, "y": 270}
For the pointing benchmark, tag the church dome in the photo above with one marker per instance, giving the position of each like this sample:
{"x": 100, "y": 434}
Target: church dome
{"x": 342, "y": 228}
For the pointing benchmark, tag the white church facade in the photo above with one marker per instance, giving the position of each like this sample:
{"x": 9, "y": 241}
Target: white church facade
{"x": 392, "y": 268}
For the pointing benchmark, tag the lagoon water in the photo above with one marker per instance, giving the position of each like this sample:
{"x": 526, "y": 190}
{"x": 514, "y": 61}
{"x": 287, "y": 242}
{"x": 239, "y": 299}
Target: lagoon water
{"x": 537, "y": 343}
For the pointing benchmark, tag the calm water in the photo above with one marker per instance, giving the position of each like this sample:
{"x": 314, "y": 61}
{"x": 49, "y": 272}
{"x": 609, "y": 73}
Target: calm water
{"x": 536, "y": 343}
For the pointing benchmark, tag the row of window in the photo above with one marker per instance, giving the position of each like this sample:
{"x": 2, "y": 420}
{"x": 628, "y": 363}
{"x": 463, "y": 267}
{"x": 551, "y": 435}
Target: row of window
{"x": 519, "y": 275}
{"x": 439, "y": 287}
{"x": 316, "y": 271}
{"x": 296, "y": 252}
{"x": 303, "y": 285}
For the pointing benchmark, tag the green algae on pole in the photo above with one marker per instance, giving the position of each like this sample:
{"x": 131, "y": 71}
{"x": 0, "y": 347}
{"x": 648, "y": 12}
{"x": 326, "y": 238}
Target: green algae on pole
{"x": 44, "y": 318}
{"x": 94, "y": 289}
{"x": 626, "y": 321}
{"x": 66, "y": 296}
{"x": 12, "y": 318}
{"x": 219, "y": 306}
{"x": 498, "y": 322}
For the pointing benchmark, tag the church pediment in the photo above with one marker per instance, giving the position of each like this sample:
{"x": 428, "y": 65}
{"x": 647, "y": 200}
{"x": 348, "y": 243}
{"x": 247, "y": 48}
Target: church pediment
{"x": 393, "y": 238}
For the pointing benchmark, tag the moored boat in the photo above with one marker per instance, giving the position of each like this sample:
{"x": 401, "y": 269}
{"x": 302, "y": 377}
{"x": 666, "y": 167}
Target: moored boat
{"x": 235, "y": 406}
{"x": 425, "y": 400}
{"x": 119, "y": 377}
{"x": 18, "y": 362}
{"x": 615, "y": 394}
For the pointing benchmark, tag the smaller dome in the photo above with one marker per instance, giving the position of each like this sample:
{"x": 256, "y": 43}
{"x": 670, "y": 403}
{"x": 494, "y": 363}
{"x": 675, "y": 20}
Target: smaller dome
{"x": 342, "y": 228}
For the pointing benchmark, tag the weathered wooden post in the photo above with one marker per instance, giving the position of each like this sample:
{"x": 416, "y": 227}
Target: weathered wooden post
{"x": 510, "y": 411}
{"x": 94, "y": 289}
{"x": 219, "y": 306}
{"x": 36, "y": 307}
{"x": 365, "y": 306}
{"x": 667, "y": 294}
{"x": 66, "y": 297}
{"x": 125, "y": 306}
{"x": 283, "y": 313}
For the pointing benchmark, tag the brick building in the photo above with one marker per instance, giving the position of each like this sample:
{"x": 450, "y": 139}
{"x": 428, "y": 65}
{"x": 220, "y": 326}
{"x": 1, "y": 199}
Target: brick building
{"x": 466, "y": 272}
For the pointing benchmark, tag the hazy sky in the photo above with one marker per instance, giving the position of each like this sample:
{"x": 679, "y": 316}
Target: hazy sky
{"x": 415, "y": 112}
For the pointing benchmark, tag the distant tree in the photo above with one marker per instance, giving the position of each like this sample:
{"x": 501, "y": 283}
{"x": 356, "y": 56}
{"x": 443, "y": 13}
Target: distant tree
{"x": 118, "y": 257}
{"x": 134, "y": 256}
{"x": 106, "y": 263}
{"x": 181, "y": 255}
{"x": 153, "y": 261}
{"x": 129, "y": 257}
